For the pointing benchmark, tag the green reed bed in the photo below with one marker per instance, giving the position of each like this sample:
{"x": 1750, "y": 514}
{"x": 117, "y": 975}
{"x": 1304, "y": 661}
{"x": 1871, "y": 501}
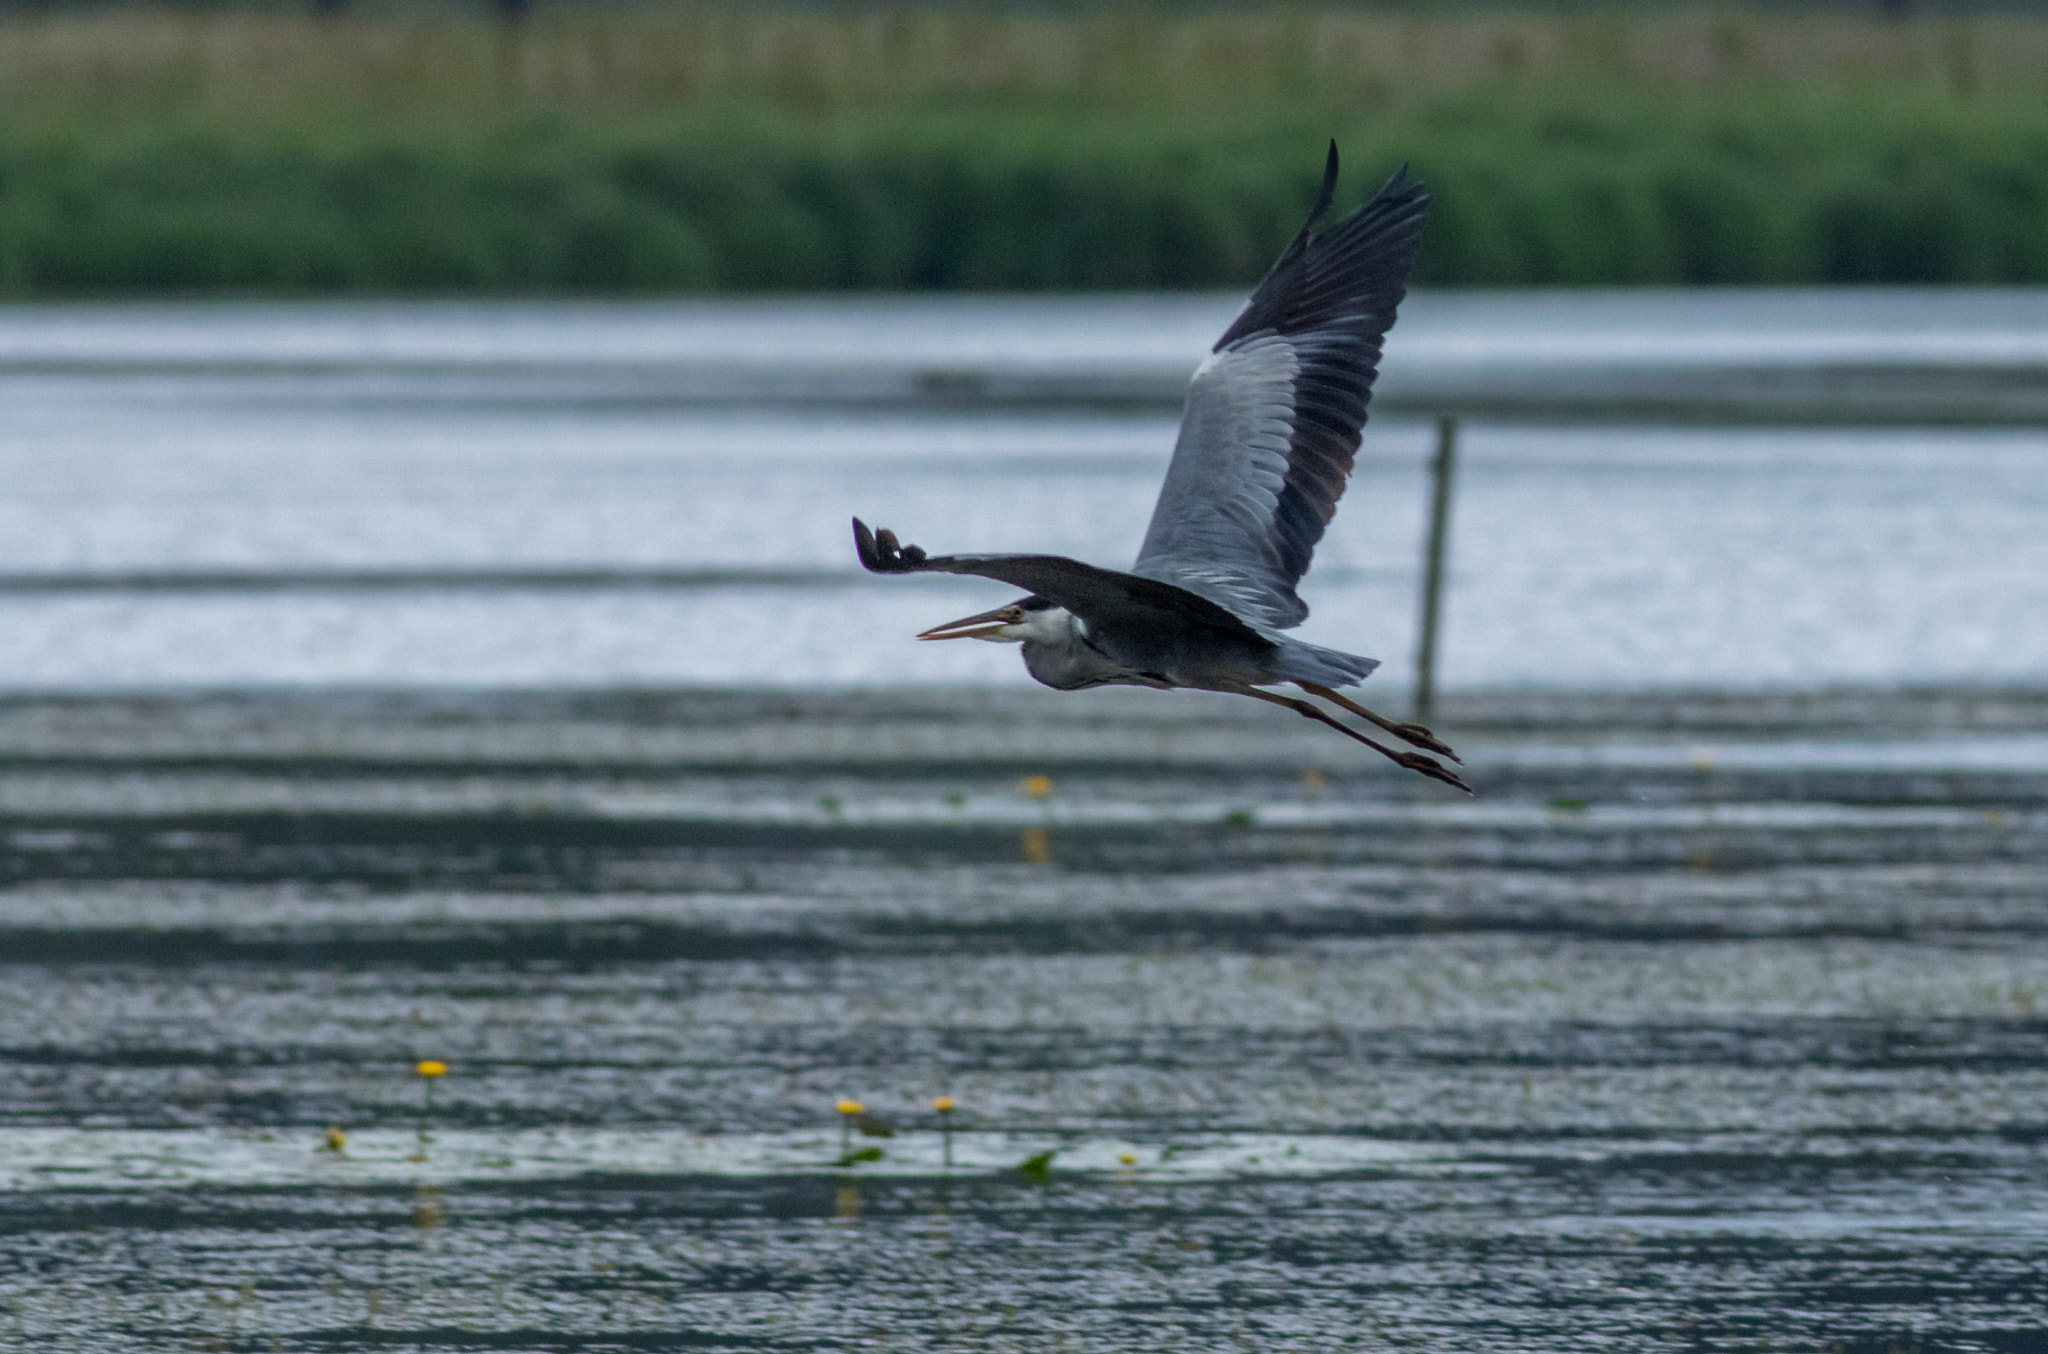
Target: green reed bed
{"x": 711, "y": 148}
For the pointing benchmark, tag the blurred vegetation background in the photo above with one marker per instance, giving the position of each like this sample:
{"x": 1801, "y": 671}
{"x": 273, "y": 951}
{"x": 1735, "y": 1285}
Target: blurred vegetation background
{"x": 718, "y": 146}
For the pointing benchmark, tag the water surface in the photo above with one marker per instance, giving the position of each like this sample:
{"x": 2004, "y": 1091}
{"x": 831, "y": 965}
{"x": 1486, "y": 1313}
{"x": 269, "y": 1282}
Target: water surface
{"x": 494, "y": 685}
{"x": 554, "y": 496}
{"x": 1715, "y": 1019}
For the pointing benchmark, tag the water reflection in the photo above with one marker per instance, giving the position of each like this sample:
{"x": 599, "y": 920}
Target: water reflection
{"x": 427, "y": 1207}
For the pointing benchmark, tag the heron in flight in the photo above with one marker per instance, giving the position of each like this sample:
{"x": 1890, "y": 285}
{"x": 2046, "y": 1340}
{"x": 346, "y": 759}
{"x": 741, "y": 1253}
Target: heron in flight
{"x": 1266, "y": 442}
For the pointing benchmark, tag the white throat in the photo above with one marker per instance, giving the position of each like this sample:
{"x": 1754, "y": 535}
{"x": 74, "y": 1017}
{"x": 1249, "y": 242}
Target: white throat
{"x": 1054, "y": 625}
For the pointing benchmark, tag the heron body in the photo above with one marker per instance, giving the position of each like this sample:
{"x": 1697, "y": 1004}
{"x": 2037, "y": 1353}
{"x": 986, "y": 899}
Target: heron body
{"x": 1267, "y": 438}
{"x": 1063, "y": 651}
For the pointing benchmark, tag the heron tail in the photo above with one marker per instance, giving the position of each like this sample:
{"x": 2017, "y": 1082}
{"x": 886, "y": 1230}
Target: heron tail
{"x": 1301, "y": 662}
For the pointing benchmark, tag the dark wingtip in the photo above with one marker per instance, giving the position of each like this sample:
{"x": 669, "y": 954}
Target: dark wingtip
{"x": 881, "y": 553}
{"x": 1401, "y": 189}
{"x": 1294, "y": 250}
{"x": 864, "y": 545}
{"x": 1329, "y": 191}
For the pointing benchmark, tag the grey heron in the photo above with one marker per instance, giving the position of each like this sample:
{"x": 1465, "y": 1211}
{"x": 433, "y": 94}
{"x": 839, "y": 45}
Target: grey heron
{"x": 1267, "y": 438}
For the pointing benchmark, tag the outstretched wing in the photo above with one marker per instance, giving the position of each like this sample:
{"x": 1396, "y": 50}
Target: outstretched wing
{"x": 1273, "y": 415}
{"x": 1102, "y": 597}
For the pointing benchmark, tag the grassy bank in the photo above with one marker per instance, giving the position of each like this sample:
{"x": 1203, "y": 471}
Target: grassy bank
{"x": 708, "y": 148}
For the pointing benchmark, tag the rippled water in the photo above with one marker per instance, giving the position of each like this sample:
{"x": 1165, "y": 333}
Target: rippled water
{"x": 1715, "y": 1020}
{"x": 1719, "y": 1020}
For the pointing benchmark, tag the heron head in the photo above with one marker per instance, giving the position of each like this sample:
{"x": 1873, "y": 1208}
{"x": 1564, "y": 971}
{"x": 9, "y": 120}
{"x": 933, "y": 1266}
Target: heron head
{"x": 1012, "y": 624}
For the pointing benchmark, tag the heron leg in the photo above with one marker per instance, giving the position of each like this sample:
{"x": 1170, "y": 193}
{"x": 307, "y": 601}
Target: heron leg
{"x": 1413, "y": 761}
{"x": 1407, "y": 733}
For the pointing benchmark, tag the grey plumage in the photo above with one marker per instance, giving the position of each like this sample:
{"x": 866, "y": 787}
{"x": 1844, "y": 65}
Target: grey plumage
{"x": 1273, "y": 417}
{"x": 1266, "y": 444}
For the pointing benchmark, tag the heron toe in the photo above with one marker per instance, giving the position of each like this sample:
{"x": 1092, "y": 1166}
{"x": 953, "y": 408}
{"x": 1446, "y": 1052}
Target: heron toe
{"x": 1423, "y": 738}
{"x": 1434, "y": 769}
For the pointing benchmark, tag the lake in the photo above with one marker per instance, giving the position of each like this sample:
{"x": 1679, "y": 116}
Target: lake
{"x": 584, "y": 495}
{"x": 491, "y": 685}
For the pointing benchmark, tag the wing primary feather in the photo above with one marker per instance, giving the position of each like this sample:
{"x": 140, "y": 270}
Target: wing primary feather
{"x": 1328, "y": 193}
{"x": 1295, "y": 249}
{"x": 1273, "y": 417}
{"x": 1101, "y": 596}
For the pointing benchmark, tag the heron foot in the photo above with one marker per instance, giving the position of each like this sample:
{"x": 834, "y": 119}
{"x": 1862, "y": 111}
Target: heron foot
{"x": 1434, "y": 769}
{"x": 1407, "y": 733}
{"x": 1423, "y": 738}
{"x": 1411, "y": 761}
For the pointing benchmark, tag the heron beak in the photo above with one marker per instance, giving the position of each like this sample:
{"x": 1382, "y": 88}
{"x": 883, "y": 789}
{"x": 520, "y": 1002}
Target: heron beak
{"x": 974, "y": 627}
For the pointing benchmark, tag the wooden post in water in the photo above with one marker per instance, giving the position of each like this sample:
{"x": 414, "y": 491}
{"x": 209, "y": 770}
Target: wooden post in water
{"x": 1442, "y": 470}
